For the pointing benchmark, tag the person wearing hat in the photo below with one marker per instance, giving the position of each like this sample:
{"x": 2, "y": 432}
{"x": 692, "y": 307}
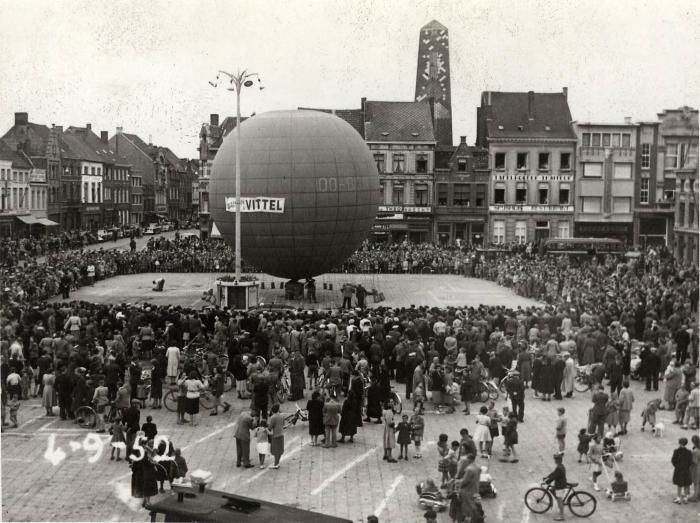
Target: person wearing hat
{"x": 558, "y": 482}
{"x": 516, "y": 392}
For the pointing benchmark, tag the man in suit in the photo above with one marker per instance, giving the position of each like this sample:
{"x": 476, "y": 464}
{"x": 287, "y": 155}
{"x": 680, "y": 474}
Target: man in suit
{"x": 331, "y": 418}
{"x": 245, "y": 424}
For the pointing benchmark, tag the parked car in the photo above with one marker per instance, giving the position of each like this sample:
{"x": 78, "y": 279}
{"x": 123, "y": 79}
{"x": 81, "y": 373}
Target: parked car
{"x": 103, "y": 235}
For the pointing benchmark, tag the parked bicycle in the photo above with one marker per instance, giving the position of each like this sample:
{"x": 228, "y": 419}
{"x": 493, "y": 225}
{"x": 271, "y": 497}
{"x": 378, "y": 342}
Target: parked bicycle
{"x": 299, "y": 414}
{"x": 581, "y": 503}
{"x": 206, "y": 400}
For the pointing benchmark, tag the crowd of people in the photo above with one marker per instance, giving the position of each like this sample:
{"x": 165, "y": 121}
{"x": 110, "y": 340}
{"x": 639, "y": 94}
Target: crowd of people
{"x": 596, "y": 315}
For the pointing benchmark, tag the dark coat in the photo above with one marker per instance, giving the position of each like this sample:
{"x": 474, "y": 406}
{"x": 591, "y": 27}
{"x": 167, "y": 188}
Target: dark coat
{"x": 315, "y": 410}
{"x": 681, "y": 460}
{"x": 374, "y": 401}
{"x": 348, "y": 417}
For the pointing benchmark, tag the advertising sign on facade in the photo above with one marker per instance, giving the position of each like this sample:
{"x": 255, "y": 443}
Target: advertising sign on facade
{"x": 531, "y": 208}
{"x": 534, "y": 177}
{"x": 257, "y": 204}
{"x": 401, "y": 208}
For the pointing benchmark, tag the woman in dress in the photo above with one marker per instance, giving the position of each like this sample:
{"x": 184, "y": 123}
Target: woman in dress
{"x": 296, "y": 376}
{"x": 275, "y": 425}
{"x": 389, "y": 432}
{"x": 482, "y": 434}
{"x": 613, "y": 417}
{"x": 524, "y": 365}
{"x": 547, "y": 379}
{"x": 348, "y": 418}
{"x": 48, "y": 397}
{"x": 144, "y": 482}
{"x": 315, "y": 409}
{"x": 156, "y": 384}
{"x": 194, "y": 388}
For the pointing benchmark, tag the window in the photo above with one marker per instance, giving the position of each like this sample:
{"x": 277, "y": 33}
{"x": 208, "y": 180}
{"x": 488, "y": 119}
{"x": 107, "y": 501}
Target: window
{"x": 381, "y": 194}
{"x": 460, "y": 195}
{"x": 563, "y": 230}
{"x": 590, "y": 204}
{"x": 622, "y": 205}
{"x": 521, "y": 193}
{"x": 646, "y": 155}
{"x": 399, "y": 163}
{"x": 595, "y": 140}
{"x": 462, "y": 164}
{"x": 564, "y": 191}
{"x": 543, "y": 194}
{"x": 606, "y": 139}
{"x": 681, "y": 214}
{"x": 616, "y": 140}
{"x": 421, "y": 194}
{"x": 622, "y": 171}
{"x": 521, "y": 162}
{"x": 85, "y": 169}
{"x": 690, "y": 157}
{"x": 92, "y": 171}
{"x": 565, "y": 161}
{"x": 669, "y": 195}
{"x": 586, "y": 140}
{"x": 442, "y": 193}
{"x": 499, "y": 161}
{"x": 593, "y": 170}
{"x": 421, "y": 163}
{"x": 520, "y": 231}
{"x": 543, "y": 163}
{"x": 499, "y": 231}
{"x": 644, "y": 190}
{"x": 626, "y": 140}
{"x": 499, "y": 193}
{"x": 379, "y": 160}
{"x": 671, "y": 159}
{"x": 481, "y": 195}
{"x": 99, "y": 171}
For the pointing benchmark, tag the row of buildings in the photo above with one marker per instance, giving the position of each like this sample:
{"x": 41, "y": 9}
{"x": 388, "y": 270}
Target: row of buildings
{"x": 72, "y": 179}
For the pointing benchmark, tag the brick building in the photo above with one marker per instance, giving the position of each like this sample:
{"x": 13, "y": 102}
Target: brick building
{"x": 532, "y": 152}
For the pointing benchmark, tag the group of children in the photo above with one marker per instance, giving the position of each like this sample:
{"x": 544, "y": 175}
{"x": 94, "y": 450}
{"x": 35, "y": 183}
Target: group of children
{"x": 410, "y": 430}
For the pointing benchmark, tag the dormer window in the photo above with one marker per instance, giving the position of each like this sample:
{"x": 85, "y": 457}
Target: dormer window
{"x": 500, "y": 128}
{"x": 415, "y": 135}
{"x": 385, "y": 133}
{"x": 520, "y": 128}
{"x": 547, "y": 128}
{"x": 462, "y": 165}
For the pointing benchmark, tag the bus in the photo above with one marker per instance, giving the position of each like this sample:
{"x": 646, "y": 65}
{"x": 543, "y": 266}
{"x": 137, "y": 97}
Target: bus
{"x": 584, "y": 246}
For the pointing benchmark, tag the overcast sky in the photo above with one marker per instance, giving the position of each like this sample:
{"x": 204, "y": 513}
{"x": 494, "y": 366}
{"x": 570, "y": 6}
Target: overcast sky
{"x": 144, "y": 65}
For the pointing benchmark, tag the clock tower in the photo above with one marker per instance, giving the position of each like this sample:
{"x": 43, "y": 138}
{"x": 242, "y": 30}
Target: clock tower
{"x": 433, "y": 77}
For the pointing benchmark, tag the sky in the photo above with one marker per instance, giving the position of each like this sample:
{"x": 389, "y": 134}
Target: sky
{"x": 145, "y": 65}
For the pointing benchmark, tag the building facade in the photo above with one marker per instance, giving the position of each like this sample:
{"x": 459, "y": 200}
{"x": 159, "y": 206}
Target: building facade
{"x": 461, "y": 189}
{"x": 605, "y": 185}
{"x": 401, "y": 139}
{"x": 15, "y": 209}
{"x": 532, "y": 154}
{"x": 685, "y": 228}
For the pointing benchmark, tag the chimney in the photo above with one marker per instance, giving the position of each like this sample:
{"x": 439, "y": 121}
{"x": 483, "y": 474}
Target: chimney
{"x": 628, "y": 120}
{"x": 59, "y": 129}
{"x": 104, "y": 136}
{"x": 21, "y": 118}
{"x": 214, "y": 119}
{"x": 88, "y": 126}
{"x": 120, "y": 130}
{"x": 463, "y": 139}
{"x": 565, "y": 90}
{"x": 530, "y": 105}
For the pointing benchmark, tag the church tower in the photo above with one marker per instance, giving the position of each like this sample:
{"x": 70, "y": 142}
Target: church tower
{"x": 433, "y": 77}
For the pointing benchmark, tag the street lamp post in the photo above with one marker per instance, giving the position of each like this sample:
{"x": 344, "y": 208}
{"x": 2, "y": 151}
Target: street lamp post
{"x": 237, "y": 82}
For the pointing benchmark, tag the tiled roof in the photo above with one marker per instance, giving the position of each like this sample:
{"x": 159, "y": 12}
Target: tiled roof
{"x": 352, "y": 116}
{"x": 74, "y": 138}
{"x": 90, "y": 140}
{"x": 36, "y": 134}
{"x": 508, "y": 115}
{"x": 18, "y": 158}
{"x": 138, "y": 142}
{"x": 434, "y": 24}
{"x": 172, "y": 159}
{"x": 398, "y": 122}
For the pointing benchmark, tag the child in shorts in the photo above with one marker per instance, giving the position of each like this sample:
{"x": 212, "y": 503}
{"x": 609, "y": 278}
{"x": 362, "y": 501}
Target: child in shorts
{"x": 14, "y": 408}
{"x": 584, "y": 442}
{"x": 417, "y": 429}
{"x": 443, "y": 463}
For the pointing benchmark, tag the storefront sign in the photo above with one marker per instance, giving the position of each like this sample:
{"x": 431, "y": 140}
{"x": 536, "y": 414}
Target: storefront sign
{"x": 391, "y": 217}
{"x": 401, "y": 208}
{"x": 531, "y": 208}
{"x": 37, "y": 176}
{"x": 257, "y": 204}
{"x": 534, "y": 177}
{"x": 92, "y": 209}
{"x": 380, "y": 227}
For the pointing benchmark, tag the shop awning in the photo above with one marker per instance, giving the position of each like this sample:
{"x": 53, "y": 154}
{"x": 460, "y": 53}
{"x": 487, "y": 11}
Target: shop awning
{"x": 46, "y": 222}
{"x": 28, "y": 219}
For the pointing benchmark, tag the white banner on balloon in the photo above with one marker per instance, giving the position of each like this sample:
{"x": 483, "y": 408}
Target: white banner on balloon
{"x": 256, "y": 204}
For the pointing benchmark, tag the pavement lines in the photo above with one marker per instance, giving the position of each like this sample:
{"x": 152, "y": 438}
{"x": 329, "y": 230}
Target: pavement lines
{"x": 390, "y": 492}
{"x": 342, "y": 471}
{"x": 30, "y": 420}
{"x": 284, "y": 457}
{"x": 211, "y": 435}
{"x": 526, "y": 515}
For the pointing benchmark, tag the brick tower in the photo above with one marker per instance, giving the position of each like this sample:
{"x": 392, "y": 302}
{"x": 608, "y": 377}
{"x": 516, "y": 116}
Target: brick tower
{"x": 433, "y": 77}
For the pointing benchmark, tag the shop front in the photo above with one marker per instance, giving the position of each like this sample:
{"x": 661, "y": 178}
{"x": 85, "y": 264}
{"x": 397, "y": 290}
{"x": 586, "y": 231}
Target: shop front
{"x": 449, "y": 230}
{"x": 398, "y": 223}
{"x": 91, "y": 217}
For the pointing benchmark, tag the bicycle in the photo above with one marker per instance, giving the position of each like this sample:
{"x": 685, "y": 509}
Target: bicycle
{"x": 86, "y": 416}
{"x": 581, "y": 503}
{"x": 299, "y": 414}
{"x": 584, "y": 379}
{"x": 206, "y": 400}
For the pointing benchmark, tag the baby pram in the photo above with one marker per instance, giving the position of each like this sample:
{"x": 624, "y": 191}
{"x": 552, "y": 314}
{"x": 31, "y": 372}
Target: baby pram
{"x": 143, "y": 389}
{"x": 486, "y": 487}
{"x": 612, "y": 454}
{"x": 430, "y": 496}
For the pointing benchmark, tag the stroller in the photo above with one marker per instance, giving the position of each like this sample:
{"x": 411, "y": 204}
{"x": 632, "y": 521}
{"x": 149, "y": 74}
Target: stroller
{"x": 143, "y": 389}
{"x": 486, "y": 487}
{"x": 430, "y": 496}
{"x": 612, "y": 454}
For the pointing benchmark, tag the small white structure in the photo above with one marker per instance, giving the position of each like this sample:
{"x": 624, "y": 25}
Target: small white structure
{"x": 236, "y": 295}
